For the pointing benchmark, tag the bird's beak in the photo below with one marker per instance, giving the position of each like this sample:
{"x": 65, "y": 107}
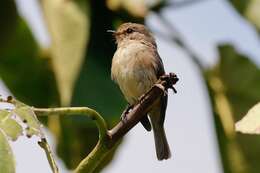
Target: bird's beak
{"x": 114, "y": 33}
{"x": 111, "y": 31}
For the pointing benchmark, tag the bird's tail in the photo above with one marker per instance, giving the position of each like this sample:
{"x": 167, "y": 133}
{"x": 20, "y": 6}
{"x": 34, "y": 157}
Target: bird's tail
{"x": 161, "y": 144}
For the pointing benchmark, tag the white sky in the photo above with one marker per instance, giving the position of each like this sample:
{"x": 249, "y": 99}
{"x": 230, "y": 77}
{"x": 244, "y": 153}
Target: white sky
{"x": 189, "y": 125}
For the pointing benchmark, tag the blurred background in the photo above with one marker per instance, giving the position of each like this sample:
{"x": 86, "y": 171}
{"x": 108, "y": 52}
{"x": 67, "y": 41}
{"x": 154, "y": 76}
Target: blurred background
{"x": 57, "y": 53}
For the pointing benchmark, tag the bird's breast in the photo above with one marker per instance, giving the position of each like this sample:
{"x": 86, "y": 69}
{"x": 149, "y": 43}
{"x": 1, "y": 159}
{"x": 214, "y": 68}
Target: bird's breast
{"x": 133, "y": 68}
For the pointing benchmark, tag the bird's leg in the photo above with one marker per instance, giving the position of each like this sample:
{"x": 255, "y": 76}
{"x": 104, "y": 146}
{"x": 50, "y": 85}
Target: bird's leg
{"x": 125, "y": 112}
{"x": 141, "y": 98}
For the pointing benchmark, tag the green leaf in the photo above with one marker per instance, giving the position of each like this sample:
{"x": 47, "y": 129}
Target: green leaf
{"x": 25, "y": 69}
{"x": 28, "y": 117}
{"x": 10, "y": 126}
{"x": 69, "y": 25}
{"x": 241, "y": 79}
{"x": 7, "y": 164}
{"x": 94, "y": 89}
{"x": 240, "y": 5}
{"x": 250, "y": 123}
{"x": 7, "y": 8}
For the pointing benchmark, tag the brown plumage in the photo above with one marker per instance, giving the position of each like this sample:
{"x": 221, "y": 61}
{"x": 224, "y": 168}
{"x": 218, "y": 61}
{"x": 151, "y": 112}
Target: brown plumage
{"x": 136, "y": 66}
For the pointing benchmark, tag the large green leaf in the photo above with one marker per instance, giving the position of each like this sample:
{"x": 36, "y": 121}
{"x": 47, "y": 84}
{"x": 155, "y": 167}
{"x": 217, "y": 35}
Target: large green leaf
{"x": 94, "y": 89}
{"x": 68, "y": 23}
{"x": 7, "y": 164}
{"x": 8, "y": 19}
{"x": 25, "y": 68}
{"x": 241, "y": 78}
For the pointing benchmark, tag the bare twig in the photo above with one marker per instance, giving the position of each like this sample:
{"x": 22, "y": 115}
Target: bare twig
{"x": 44, "y": 145}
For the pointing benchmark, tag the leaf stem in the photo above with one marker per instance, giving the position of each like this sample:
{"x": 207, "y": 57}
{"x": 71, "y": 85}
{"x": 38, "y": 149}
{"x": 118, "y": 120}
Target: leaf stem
{"x": 100, "y": 122}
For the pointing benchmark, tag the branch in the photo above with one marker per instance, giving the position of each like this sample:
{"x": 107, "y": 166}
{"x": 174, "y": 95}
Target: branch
{"x": 101, "y": 124}
{"x": 108, "y": 138}
{"x": 143, "y": 106}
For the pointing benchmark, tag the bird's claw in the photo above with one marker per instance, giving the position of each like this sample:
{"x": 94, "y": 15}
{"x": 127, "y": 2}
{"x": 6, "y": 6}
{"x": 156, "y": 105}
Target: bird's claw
{"x": 170, "y": 80}
{"x": 125, "y": 112}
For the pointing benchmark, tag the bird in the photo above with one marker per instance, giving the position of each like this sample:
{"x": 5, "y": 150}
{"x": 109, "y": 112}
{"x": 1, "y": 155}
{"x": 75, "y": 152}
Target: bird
{"x": 136, "y": 66}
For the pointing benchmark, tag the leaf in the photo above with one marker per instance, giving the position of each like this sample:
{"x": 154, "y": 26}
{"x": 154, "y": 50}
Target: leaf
{"x": 240, "y": 5}
{"x": 25, "y": 69}
{"x": 69, "y": 25}
{"x": 11, "y": 127}
{"x": 7, "y": 8}
{"x": 7, "y": 164}
{"x": 28, "y": 117}
{"x": 250, "y": 9}
{"x": 241, "y": 78}
{"x": 250, "y": 123}
{"x": 253, "y": 13}
{"x": 137, "y": 8}
{"x": 94, "y": 88}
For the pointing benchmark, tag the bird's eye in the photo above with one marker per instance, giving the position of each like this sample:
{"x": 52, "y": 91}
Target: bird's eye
{"x": 129, "y": 30}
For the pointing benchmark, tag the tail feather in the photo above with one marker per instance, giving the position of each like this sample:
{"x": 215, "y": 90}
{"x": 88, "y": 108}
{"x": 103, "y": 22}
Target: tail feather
{"x": 161, "y": 144}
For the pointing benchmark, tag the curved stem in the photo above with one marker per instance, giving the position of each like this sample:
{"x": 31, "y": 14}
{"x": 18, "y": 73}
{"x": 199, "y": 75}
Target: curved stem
{"x": 94, "y": 158}
{"x": 101, "y": 124}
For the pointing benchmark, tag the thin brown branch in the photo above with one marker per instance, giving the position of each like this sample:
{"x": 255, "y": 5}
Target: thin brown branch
{"x": 142, "y": 107}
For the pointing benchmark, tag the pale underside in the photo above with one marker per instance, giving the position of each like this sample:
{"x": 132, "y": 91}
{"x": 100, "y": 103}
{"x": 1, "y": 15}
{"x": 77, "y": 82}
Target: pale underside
{"x": 134, "y": 69}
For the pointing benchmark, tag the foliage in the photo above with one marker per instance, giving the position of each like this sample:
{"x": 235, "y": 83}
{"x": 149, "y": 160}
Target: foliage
{"x": 229, "y": 83}
{"x": 75, "y": 70}
{"x": 251, "y": 122}
{"x": 19, "y": 120}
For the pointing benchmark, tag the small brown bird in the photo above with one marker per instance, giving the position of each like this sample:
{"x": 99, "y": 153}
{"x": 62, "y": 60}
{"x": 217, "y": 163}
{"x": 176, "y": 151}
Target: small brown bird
{"x": 136, "y": 66}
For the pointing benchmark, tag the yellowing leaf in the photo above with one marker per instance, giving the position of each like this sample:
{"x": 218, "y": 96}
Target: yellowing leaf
{"x": 68, "y": 24}
{"x": 251, "y": 122}
{"x": 7, "y": 164}
{"x": 9, "y": 126}
{"x": 137, "y": 8}
{"x": 253, "y": 12}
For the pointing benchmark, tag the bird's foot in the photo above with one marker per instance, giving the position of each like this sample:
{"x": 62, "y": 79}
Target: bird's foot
{"x": 141, "y": 98}
{"x": 125, "y": 112}
{"x": 170, "y": 81}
